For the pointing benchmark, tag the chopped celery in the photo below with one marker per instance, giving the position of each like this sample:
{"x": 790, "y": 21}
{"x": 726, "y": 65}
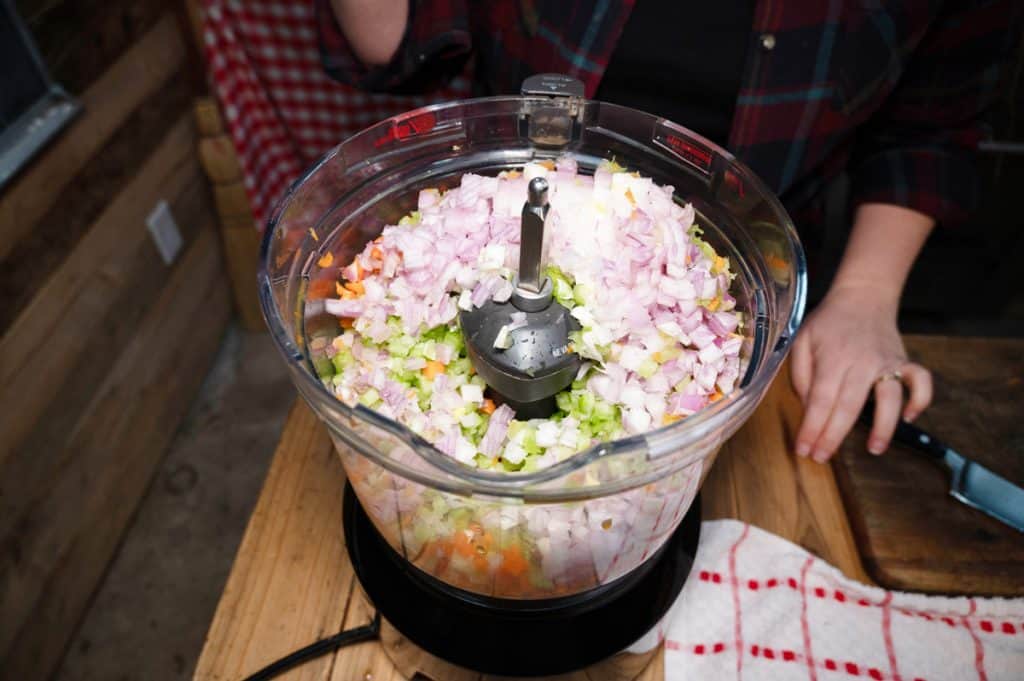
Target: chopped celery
{"x": 529, "y": 442}
{"x": 669, "y": 353}
{"x": 647, "y": 368}
{"x": 603, "y": 411}
{"x": 514, "y": 427}
{"x": 612, "y": 166}
{"x": 529, "y": 465}
{"x": 436, "y": 334}
{"x": 471, "y": 420}
{"x": 562, "y": 286}
{"x": 513, "y": 467}
{"x": 400, "y": 346}
{"x": 454, "y": 339}
{"x": 323, "y": 366}
{"x": 460, "y": 366}
{"x": 370, "y": 397}
{"x": 585, "y": 401}
{"x": 342, "y": 360}
{"x": 582, "y": 293}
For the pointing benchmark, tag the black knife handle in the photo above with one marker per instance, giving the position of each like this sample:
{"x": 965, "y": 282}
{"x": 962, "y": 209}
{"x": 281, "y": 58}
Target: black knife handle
{"x": 912, "y": 436}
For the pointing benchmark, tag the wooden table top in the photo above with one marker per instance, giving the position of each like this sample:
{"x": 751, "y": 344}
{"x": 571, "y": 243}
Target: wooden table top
{"x": 292, "y": 583}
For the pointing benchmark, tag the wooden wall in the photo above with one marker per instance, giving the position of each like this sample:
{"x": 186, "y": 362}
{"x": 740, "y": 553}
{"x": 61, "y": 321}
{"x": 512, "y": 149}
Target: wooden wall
{"x": 102, "y": 345}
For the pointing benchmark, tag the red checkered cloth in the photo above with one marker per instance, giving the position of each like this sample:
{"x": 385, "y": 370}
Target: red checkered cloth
{"x": 281, "y": 108}
{"x": 758, "y": 607}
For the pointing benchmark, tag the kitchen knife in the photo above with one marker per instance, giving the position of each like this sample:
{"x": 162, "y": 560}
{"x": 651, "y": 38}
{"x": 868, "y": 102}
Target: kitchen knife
{"x": 971, "y": 483}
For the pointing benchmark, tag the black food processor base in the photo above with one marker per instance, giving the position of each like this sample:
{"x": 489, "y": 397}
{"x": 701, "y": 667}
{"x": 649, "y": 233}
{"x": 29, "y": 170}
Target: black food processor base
{"x": 434, "y": 623}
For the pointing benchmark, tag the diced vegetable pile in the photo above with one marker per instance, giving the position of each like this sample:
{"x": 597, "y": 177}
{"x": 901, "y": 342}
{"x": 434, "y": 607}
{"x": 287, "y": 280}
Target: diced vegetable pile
{"x": 659, "y": 328}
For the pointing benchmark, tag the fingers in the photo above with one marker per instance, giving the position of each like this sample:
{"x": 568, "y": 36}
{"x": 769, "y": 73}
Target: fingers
{"x": 819, "y": 404}
{"x": 852, "y": 394}
{"x": 888, "y": 398}
{"x": 801, "y": 367}
{"x": 919, "y": 381}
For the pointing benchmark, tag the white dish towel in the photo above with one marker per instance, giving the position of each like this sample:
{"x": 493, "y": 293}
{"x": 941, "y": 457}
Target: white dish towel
{"x": 758, "y": 607}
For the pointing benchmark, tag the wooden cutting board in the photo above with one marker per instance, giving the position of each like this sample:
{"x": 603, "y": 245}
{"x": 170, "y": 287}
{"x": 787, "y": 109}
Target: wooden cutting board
{"x": 911, "y": 534}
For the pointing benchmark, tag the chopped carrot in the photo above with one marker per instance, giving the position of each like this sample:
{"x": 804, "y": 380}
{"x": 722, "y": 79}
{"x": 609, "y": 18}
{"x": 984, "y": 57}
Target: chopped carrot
{"x": 433, "y": 368}
{"x": 488, "y": 407}
{"x": 376, "y": 253}
{"x": 346, "y": 322}
{"x": 630, "y": 197}
{"x": 714, "y": 303}
{"x": 512, "y": 562}
{"x": 547, "y": 163}
{"x": 326, "y": 260}
{"x": 775, "y": 262}
{"x": 716, "y": 396}
{"x": 339, "y": 289}
{"x": 356, "y": 287}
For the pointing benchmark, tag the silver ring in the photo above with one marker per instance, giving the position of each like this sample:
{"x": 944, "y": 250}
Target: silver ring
{"x": 893, "y": 375}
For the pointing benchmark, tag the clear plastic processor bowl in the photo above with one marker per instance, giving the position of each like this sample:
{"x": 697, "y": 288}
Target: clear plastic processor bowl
{"x": 588, "y": 522}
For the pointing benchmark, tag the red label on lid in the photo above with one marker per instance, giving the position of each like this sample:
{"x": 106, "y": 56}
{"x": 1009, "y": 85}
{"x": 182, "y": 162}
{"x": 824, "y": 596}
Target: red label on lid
{"x": 409, "y": 126}
{"x": 677, "y": 141}
{"x": 688, "y": 151}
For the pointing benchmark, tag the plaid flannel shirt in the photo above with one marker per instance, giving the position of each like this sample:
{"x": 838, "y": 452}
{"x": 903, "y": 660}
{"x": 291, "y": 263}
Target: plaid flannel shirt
{"x": 893, "y": 94}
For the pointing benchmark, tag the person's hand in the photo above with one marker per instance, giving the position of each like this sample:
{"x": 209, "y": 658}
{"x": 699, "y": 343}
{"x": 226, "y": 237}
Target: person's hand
{"x": 847, "y": 346}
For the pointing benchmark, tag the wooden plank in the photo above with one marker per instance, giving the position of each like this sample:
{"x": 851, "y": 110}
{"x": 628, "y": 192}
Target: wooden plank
{"x": 366, "y": 660}
{"x": 80, "y": 39}
{"x": 655, "y": 671}
{"x": 41, "y": 454}
{"x": 118, "y": 444}
{"x": 141, "y": 71}
{"x": 245, "y": 221}
{"x": 208, "y": 119}
{"x": 194, "y": 12}
{"x": 899, "y": 503}
{"x": 80, "y": 292}
{"x": 217, "y": 154}
{"x": 40, "y": 252}
{"x": 232, "y": 201}
{"x": 759, "y": 480}
{"x": 291, "y": 579}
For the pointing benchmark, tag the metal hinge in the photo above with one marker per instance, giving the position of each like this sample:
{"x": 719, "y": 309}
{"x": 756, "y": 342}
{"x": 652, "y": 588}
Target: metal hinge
{"x": 552, "y": 109}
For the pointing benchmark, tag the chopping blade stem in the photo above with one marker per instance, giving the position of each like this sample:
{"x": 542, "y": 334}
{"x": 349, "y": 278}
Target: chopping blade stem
{"x": 531, "y": 239}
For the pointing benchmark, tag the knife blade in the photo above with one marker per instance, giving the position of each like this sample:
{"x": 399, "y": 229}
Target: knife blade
{"x": 970, "y": 483}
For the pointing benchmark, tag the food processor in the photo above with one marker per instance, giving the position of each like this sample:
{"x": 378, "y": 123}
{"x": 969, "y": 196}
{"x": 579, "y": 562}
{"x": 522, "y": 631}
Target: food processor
{"x": 526, "y": 574}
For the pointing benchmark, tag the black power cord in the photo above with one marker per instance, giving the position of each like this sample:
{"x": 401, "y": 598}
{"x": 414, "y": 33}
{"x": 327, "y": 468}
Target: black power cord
{"x": 313, "y": 650}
